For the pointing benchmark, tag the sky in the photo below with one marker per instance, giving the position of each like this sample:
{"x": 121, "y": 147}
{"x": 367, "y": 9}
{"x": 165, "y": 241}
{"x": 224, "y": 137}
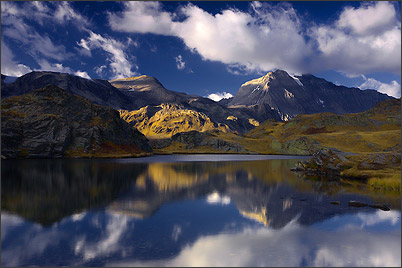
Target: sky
{"x": 206, "y": 48}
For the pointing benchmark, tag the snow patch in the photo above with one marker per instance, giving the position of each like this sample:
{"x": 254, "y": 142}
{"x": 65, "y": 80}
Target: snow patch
{"x": 297, "y": 80}
{"x": 257, "y": 88}
{"x": 218, "y": 96}
{"x": 322, "y": 102}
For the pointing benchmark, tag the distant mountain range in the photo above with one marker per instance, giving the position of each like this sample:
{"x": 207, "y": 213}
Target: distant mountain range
{"x": 159, "y": 113}
{"x": 290, "y": 95}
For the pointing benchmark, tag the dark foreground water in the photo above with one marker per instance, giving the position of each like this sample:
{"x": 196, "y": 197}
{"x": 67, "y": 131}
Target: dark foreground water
{"x": 216, "y": 210}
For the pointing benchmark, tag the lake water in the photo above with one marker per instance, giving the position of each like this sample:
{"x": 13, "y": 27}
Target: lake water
{"x": 190, "y": 210}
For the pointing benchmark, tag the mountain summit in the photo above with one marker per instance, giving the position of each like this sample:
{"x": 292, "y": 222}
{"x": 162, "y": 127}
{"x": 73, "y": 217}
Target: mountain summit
{"x": 290, "y": 95}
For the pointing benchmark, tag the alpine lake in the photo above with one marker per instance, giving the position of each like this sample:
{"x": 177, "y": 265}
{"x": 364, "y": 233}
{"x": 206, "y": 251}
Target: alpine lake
{"x": 191, "y": 210}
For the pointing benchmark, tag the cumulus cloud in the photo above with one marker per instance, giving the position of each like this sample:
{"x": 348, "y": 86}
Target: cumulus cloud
{"x": 219, "y": 95}
{"x": 9, "y": 66}
{"x": 369, "y": 18}
{"x": 180, "y": 64}
{"x": 120, "y": 65}
{"x": 362, "y": 40}
{"x": 232, "y": 37}
{"x": 392, "y": 89}
{"x": 142, "y": 17}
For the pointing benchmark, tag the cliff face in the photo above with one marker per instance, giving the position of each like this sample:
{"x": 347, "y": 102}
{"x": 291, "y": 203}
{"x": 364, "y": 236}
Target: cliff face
{"x": 289, "y": 96}
{"x": 52, "y": 123}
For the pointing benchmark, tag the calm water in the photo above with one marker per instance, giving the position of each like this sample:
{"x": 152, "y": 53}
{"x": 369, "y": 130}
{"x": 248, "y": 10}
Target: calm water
{"x": 189, "y": 211}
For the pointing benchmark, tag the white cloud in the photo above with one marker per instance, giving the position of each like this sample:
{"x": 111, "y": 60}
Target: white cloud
{"x": 99, "y": 70}
{"x": 142, "y": 17}
{"x": 180, "y": 64}
{"x": 65, "y": 13}
{"x": 16, "y": 25}
{"x": 369, "y": 18}
{"x": 363, "y": 39}
{"x": 119, "y": 63}
{"x": 232, "y": 37}
{"x": 219, "y": 95}
{"x": 58, "y": 67}
{"x": 392, "y": 89}
{"x": 9, "y": 66}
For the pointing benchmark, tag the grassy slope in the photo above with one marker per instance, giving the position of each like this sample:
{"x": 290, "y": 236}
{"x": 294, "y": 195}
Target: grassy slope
{"x": 367, "y": 134}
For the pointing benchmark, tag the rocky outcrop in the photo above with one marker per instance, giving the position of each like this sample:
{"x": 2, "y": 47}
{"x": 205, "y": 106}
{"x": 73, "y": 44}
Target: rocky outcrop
{"x": 166, "y": 120}
{"x": 193, "y": 139}
{"x": 52, "y": 123}
{"x": 287, "y": 96}
{"x": 325, "y": 162}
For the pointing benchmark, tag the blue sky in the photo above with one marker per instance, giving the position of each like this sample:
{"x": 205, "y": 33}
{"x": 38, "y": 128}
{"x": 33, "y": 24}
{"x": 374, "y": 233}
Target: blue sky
{"x": 206, "y": 47}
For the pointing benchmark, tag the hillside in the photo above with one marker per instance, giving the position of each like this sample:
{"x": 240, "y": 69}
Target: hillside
{"x": 371, "y": 141}
{"x": 52, "y": 123}
{"x": 166, "y": 120}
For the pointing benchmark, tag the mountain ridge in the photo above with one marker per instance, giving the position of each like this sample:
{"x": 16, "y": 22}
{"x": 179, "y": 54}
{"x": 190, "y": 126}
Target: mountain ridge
{"x": 292, "y": 95}
{"x": 276, "y": 95}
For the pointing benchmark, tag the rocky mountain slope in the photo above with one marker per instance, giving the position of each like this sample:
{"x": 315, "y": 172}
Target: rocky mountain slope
{"x": 132, "y": 94}
{"x": 161, "y": 113}
{"x": 52, "y": 123}
{"x": 290, "y": 95}
{"x": 165, "y": 120}
{"x": 147, "y": 93}
{"x": 99, "y": 91}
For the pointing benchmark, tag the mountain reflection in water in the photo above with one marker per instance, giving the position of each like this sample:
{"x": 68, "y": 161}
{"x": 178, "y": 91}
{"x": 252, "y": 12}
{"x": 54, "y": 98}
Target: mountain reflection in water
{"x": 236, "y": 213}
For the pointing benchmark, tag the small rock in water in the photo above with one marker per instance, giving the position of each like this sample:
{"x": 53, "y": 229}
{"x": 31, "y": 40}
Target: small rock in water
{"x": 380, "y": 206}
{"x": 357, "y": 204}
{"x": 335, "y": 202}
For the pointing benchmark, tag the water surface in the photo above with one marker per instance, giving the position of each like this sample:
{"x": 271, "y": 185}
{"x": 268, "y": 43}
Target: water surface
{"x": 189, "y": 211}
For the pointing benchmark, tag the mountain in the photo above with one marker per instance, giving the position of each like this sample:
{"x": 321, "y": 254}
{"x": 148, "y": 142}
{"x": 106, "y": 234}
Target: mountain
{"x": 99, "y": 91}
{"x": 132, "y": 94}
{"x": 290, "y": 95}
{"x": 165, "y": 120}
{"x": 51, "y": 123}
{"x": 146, "y": 90}
{"x": 147, "y": 93}
{"x": 159, "y": 113}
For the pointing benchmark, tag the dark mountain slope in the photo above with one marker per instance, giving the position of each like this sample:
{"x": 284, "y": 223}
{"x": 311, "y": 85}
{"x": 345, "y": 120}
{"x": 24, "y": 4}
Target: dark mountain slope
{"x": 99, "y": 91}
{"x": 289, "y": 96}
{"x": 51, "y": 123}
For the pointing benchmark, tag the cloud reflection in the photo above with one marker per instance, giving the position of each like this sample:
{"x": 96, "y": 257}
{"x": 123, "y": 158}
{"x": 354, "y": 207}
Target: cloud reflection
{"x": 216, "y": 198}
{"x": 293, "y": 245}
